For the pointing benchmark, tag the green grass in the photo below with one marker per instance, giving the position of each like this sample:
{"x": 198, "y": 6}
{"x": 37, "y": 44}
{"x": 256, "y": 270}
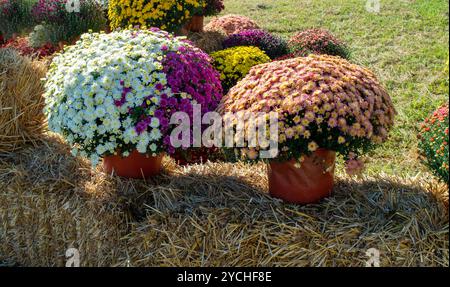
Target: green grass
{"x": 406, "y": 45}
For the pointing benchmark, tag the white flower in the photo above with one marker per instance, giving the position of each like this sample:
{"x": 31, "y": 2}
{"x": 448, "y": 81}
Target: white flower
{"x": 155, "y": 134}
{"x": 85, "y": 81}
{"x": 154, "y": 123}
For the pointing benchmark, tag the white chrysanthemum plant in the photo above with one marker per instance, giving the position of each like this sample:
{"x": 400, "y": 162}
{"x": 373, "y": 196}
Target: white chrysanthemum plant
{"x": 109, "y": 94}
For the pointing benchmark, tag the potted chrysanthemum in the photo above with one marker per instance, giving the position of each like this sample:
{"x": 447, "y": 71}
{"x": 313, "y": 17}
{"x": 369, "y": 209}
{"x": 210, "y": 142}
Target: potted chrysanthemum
{"x": 170, "y": 16}
{"x": 325, "y": 105}
{"x": 316, "y": 41}
{"x": 212, "y": 8}
{"x": 231, "y": 24}
{"x": 272, "y": 45}
{"x": 112, "y": 96}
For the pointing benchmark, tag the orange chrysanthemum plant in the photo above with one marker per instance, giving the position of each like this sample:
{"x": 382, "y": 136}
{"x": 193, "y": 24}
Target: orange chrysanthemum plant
{"x": 433, "y": 143}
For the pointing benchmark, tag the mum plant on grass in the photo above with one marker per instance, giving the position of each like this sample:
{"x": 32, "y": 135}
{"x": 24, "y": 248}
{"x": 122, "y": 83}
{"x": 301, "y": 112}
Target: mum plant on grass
{"x": 234, "y": 63}
{"x": 433, "y": 143}
{"x": 169, "y": 15}
{"x": 273, "y": 46}
{"x": 325, "y": 105}
{"x": 114, "y": 94}
{"x": 317, "y": 41}
{"x": 231, "y": 24}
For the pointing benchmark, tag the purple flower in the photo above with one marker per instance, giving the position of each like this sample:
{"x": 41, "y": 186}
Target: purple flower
{"x": 163, "y": 103}
{"x": 159, "y": 114}
{"x": 141, "y": 127}
{"x": 166, "y": 140}
{"x": 274, "y": 46}
{"x": 164, "y": 122}
{"x": 173, "y": 102}
{"x": 191, "y": 72}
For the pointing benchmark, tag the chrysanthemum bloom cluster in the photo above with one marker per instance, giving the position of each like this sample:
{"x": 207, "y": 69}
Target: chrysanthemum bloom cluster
{"x": 231, "y": 24}
{"x": 14, "y": 17}
{"x": 209, "y": 41}
{"x": 49, "y": 11}
{"x": 58, "y": 24}
{"x": 322, "y": 102}
{"x": 234, "y": 63}
{"x": 213, "y": 7}
{"x": 273, "y": 46}
{"x": 113, "y": 93}
{"x": 169, "y": 15}
{"x": 22, "y": 45}
{"x": 189, "y": 71}
{"x": 317, "y": 41}
{"x": 433, "y": 142}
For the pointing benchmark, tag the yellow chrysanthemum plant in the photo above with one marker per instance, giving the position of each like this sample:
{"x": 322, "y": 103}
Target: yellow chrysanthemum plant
{"x": 235, "y": 63}
{"x": 322, "y": 102}
{"x": 168, "y": 15}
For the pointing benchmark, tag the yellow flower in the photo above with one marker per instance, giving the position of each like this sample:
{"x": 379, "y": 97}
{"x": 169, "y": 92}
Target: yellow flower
{"x": 166, "y": 14}
{"x": 307, "y": 134}
{"x": 312, "y": 146}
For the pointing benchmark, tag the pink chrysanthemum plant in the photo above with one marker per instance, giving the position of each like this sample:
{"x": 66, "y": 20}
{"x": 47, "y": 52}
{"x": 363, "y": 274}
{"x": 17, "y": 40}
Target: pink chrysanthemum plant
{"x": 231, "y": 24}
{"x": 322, "y": 102}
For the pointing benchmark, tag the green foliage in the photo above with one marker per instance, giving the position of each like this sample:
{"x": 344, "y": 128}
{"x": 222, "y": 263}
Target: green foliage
{"x": 15, "y": 17}
{"x": 441, "y": 85}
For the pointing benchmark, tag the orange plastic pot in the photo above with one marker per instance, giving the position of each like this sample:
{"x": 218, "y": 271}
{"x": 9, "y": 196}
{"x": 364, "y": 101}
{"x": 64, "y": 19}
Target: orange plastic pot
{"x": 195, "y": 24}
{"x": 136, "y": 165}
{"x": 304, "y": 183}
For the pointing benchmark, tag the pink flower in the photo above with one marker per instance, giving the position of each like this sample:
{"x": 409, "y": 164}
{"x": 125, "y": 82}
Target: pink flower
{"x": 354, "y": 167}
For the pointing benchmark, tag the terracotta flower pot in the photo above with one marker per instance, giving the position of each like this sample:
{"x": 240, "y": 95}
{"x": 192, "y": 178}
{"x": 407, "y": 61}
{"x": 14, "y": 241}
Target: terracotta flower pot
{"x": 310, "y": 182}
{"x": 195, "y": 24}
{"x": 136, "y": 165}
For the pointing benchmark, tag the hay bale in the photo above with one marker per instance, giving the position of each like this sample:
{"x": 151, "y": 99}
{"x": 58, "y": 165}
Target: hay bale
{"x": 209, "y": 215}
{"x": 208, "y": 41}
{"x": 21, "y": 101}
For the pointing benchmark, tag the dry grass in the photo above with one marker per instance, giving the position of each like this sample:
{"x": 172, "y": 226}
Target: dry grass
{"x": 21, "y": 101}
{"x": 209, "y": 215}
{"x": 208, "y": 41}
